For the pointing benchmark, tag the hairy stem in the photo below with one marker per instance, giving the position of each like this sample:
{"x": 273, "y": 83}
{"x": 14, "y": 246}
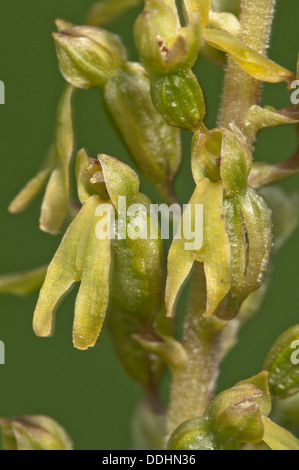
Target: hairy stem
{"x": 193, "y": 386}
{"x": 241, "y": 91}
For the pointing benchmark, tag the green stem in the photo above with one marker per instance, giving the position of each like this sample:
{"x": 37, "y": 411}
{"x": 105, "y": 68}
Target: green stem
{"x": 193, "y": 386}
{"x": 241, "y": 91}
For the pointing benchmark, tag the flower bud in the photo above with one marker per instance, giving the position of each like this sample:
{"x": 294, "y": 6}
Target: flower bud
{"x": 234, "y": 417}
{"x": 179, "y": 99}
{"x": 195, "y": 434}
{"x": 163, "y": 45}
{"x": 236, "y": 414}
{"x": 88, "y": 56}
{"x": 34, "y": 433}
{"x": 155, "y": 146}
{"x": 282, "y": 364}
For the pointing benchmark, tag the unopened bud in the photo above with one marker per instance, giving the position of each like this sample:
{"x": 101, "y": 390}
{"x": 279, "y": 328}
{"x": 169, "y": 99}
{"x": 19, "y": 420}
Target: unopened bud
{"x": 164, "y": 46}
{"x": 88, "y": 56}
{"x": 195, "y": 434}
{"x": 179, "y": 99}
{"x": 236, "y": 414}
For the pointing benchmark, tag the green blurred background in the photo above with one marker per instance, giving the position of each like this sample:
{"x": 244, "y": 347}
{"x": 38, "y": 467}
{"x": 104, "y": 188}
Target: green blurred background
{"x": 87, "y": 392}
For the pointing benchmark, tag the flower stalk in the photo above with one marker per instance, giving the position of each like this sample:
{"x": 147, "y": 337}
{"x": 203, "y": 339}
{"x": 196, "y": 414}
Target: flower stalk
{"x": 241, "y": 91}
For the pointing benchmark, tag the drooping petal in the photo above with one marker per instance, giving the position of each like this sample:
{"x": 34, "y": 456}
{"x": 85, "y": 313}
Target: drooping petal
{"x": 252, "y": 62}
{"x": 34, "y": 186}
{"x": 62, "y": 273}
{"x": 214, "y": 253}
{"x": 93, "y": 261}
{"x": 57, "y": 197}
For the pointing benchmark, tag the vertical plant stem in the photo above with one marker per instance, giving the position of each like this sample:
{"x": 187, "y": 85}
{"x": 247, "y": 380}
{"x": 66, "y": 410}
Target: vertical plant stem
{"x": 241, "y": 91}
{"x": 193, "y": 386}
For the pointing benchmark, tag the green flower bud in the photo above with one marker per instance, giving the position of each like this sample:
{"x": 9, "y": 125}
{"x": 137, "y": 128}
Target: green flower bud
{"x": 282, "y": 364}
{"x": 236, "y": 414}
{"x": 163, "y": 45}
{"x": 195, "y": 434}
{"x": 34, "y": 433}
{"x": 155, "y": 146}
{"x": 234, "y": 417}
{"x": 88, "y": 56}
{"x": 179, "y": 99}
